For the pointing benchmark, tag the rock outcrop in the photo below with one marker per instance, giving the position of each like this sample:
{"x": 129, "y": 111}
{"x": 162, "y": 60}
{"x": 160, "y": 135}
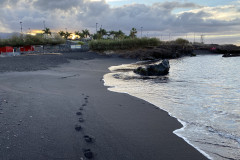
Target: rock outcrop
{"x": 154, "y": 70}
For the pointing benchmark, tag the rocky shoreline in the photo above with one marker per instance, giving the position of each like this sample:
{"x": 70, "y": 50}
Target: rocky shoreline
{"x": 175, "y": 51}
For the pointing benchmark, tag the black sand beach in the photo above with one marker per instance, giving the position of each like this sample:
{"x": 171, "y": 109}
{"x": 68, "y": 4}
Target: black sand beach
{"x": 48, "y": 108}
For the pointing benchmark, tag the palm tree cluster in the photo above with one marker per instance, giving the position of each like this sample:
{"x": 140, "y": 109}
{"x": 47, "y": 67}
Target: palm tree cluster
{"x": 84, "y": 34}
{"x": 64, "y": 34}
{"x": 101, "y": 33}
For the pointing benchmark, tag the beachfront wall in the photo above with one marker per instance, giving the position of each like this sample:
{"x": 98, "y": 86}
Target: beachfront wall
{"x": 27, "y": 48}
{"x": 6, "y": 49}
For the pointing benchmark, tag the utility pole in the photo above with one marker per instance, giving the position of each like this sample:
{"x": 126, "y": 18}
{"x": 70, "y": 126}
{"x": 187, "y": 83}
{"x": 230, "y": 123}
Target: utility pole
{"x": 141, "y": 31}
{"x": 194, "y": 39}
{"x": 202, "y": 38}
{"x": 44, "y": 26}
{"x": 21, "y": 26}
{"x": 96, "y": 27}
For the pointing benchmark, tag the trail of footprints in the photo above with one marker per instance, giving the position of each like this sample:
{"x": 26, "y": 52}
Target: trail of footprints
{"x": 88, "y": 139}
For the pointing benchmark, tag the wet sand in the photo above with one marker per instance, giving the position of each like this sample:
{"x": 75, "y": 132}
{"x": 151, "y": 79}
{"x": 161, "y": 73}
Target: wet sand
{"x": 66, "y": 112}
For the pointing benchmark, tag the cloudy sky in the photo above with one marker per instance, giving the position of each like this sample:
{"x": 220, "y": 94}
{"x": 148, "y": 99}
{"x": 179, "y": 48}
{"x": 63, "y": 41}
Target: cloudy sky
{"x": 217, "y": 20}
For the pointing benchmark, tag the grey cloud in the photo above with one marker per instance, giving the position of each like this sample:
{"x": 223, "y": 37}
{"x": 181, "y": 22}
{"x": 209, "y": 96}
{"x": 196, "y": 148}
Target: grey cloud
{"x": 159, "y": 17}
{"x": 173, "y": 5}
{"x": 57, "y": 4}
{"x": 194, "y": 22}
{"x": 94, "y": 9}
{"x": 79, "y": 14}
{"x": 8, "y": 2}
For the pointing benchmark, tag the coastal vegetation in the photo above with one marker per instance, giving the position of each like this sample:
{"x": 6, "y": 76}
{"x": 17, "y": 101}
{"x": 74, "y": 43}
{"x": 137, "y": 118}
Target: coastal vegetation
{"x": 127, "y": 45}
{"x": 18, "y": 40}
{"x": 123, "y": 44}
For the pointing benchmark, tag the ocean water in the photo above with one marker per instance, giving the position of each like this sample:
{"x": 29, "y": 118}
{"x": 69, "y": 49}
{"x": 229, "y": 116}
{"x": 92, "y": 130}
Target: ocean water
{"x": 202, "y": 92}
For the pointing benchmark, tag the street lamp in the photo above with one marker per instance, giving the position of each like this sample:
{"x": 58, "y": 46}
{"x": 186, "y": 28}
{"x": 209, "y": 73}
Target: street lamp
{"x": 44, "y": 26}
{"x": 21, "y": 26}
{"x": 96, "y": 27}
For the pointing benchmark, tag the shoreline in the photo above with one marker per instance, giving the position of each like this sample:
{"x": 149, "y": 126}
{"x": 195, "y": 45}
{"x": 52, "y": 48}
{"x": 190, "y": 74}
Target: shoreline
{"x": 175, "y": 131}
{"x": 124, "y": 127}
{"x": 170, "y": 114}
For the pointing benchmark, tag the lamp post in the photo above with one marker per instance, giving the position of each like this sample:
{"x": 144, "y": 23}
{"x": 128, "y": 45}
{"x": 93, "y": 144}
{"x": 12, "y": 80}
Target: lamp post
{"x": 21, "y": 26}
{"x": 194, "y": 39}
{"x": 44, "y": 26}
{"x": 96, "y": 27}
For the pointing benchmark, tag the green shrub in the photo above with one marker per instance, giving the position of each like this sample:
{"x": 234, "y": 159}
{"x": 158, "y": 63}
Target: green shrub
{"x": 181, "y": 41}
{"x": 18, "y": 40}
{"x": 122, "y": 44}
{"x": 81, "y": 43}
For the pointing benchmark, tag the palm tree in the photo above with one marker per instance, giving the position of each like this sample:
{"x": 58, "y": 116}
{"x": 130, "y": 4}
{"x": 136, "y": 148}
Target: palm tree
{"x": 47, "y": 31}
{"x": 112, "y": 33}
{"x": 61, "y": 33}
{"x": 102, "y": 32}
{"x": 120, "y": 34}
{"x": 133, "y": 32}
{"x": 67, "y": 34}
{"x": 80, "y": 34}
{"x": 86, "y": 33}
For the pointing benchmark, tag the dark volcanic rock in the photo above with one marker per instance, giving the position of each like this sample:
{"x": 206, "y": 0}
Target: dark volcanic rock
{"x": 232, "y": 54}
{"x": 154, "y": 70}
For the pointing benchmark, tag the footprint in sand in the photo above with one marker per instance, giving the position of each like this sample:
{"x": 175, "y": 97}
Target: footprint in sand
{"x": 88, "y": 153}
{"x": 81, "y": 108}
{"x": 89, "y": 139}
{"x": 81, "y": 120}
{"x": 78, "y": 127}
{"x": 79, "y": 113}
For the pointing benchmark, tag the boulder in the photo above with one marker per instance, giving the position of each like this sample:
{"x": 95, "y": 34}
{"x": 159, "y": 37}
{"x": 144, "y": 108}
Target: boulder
{"x": 154, "y": 70}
